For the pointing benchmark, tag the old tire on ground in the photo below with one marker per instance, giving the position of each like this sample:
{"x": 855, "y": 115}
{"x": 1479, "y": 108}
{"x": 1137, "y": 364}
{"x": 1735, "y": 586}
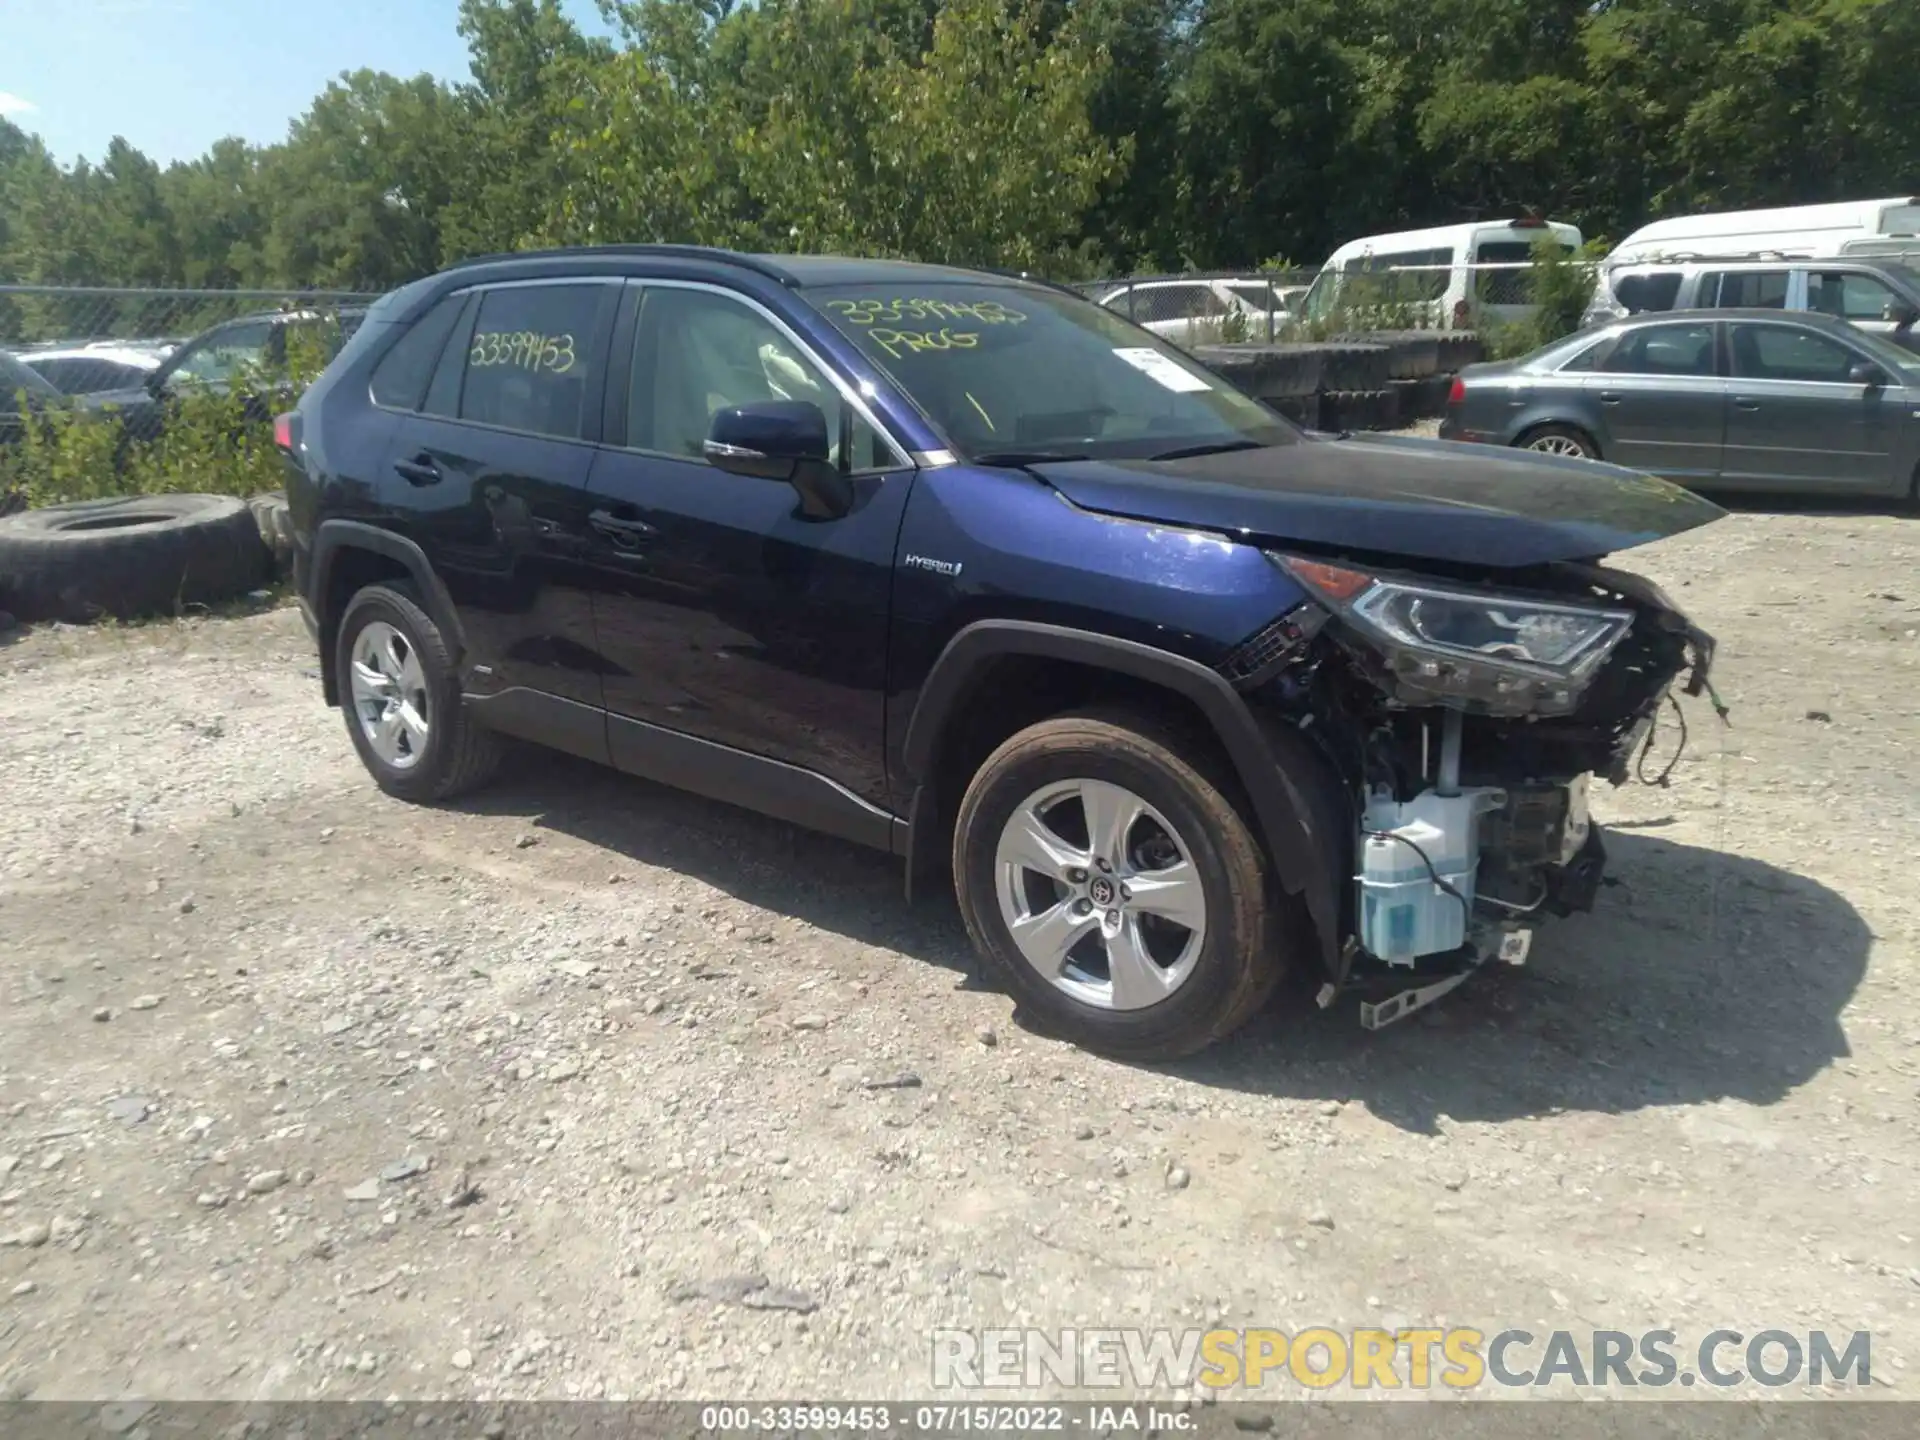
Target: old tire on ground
{"x": 1429, "y": 398}
{"x": 1359, "y": 410}
{"x": 400, "y": 694}
{"x": 1459, "y": 349}
{"x": 276, "y": 526}
{"x": 1113, "y": 886}
{"x": 1411, "y": 354}
{"x": 139, "y": 555}
{"x": 1351, "y": 366}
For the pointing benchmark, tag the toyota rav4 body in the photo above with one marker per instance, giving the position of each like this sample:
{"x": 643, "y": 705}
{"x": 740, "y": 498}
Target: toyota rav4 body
{"x": 968, "y": 569}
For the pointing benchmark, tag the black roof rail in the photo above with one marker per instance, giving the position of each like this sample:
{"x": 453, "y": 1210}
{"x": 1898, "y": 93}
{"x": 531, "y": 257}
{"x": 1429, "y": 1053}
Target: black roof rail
{"x": 681, "y": 252}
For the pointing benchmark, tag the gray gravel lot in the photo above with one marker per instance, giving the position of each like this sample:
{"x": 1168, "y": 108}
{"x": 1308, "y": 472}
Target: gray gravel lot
{"x": 586, "y": 1088}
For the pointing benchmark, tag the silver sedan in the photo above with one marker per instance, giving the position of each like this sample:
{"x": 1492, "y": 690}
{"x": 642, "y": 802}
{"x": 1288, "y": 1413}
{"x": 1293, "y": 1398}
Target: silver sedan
{"x": 1720, "y": 399}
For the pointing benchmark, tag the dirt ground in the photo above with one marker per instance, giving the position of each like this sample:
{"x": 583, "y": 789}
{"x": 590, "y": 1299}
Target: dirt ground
{"x": 304, "y": 1092}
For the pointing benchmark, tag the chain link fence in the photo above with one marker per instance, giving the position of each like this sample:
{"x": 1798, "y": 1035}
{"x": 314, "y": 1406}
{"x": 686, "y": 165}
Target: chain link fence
{"x": 93, "y": 339}
{"x": 118, "y": 391}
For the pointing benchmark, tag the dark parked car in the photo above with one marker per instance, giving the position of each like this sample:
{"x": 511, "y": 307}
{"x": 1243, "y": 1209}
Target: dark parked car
{"x": 253, "y": 345}
{"x": 971, "y": 570}
{"x": 18, "y": 384}
{"x": 1742, "y": 399}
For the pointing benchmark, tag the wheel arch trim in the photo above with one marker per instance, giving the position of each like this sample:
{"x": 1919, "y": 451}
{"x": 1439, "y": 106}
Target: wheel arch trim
{"x": 1285, "y": 815}
{"x": 334, "y": 536}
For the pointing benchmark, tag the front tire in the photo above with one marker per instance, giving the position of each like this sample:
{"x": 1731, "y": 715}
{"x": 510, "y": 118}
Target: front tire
{"x": 1112, "y": 885}
{"x": 400, "y": 693}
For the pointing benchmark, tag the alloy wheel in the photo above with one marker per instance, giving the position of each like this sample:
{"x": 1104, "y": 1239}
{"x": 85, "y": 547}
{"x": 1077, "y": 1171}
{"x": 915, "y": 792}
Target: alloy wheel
{"x": 1558, "y": 445}
{"x": 1100, "y": 894}
{"x": 389, "y": 686}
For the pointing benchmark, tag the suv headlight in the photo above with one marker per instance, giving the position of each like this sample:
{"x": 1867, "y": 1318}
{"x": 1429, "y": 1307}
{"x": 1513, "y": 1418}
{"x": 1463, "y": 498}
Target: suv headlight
{"x": 1514, "y": 653}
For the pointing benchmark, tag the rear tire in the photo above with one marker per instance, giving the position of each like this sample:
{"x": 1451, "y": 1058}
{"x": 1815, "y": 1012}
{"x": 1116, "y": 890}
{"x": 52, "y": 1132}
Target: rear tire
{"x": 1156, "y": 934}
{"x": 400, "y": 694}
{"x": 1562, "y": 440}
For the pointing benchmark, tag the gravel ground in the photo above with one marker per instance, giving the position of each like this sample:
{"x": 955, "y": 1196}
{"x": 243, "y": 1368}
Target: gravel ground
{"x": 586, "y": 1088}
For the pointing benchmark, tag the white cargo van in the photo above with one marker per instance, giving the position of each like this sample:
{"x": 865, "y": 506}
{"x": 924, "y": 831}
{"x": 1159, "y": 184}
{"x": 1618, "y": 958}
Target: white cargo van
{"x": 1889, "y": 227}
{"x": 1449, "y": 275}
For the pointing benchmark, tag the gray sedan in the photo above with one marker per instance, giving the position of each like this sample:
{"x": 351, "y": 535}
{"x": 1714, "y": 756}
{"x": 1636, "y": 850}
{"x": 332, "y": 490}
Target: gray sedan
{"x": 1734, "y": 399}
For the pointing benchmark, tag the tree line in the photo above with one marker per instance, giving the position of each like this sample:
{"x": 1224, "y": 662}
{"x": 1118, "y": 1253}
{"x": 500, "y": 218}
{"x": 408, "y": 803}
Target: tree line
{"x": 1074, "y": 137}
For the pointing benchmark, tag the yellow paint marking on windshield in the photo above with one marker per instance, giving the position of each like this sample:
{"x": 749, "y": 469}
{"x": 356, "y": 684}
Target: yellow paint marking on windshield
{"x": 983, "y": 411}
{"x": 866, "y": 311}
{"x": 900, "y": 342}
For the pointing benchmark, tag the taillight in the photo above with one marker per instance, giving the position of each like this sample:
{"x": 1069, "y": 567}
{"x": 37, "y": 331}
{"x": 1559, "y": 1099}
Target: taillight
{"x": 283, "y": 430}
{"x": 1457, "y": 392}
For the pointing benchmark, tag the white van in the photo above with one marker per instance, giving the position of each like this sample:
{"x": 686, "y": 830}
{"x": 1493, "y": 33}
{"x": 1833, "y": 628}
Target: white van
{"x": 1449, "y": 275}
{"x": 1888, "y": 228}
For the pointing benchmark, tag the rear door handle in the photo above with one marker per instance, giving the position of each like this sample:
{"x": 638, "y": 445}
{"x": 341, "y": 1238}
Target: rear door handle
{"x": 420, "y": 470}
{"x": 1609, "y": 397}
{"x": 622, "y": 530}
{"x": 1746, "y": 402}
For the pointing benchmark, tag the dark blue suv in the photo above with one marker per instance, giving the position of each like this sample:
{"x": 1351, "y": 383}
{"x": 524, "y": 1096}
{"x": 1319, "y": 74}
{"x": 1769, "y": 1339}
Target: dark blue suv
{"x": 965, "y": 568}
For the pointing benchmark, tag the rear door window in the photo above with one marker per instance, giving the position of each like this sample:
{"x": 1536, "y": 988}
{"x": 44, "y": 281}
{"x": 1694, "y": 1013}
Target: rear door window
{"x": 1664, "y": 350}
{"x": 532, "y": 360}
{"x": 1849, "y": 294}
{"x": 1745, "y": 290}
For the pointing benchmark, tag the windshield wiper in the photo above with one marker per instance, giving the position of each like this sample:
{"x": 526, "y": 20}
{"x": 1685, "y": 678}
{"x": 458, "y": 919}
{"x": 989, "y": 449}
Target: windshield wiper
{"x": 1014, "y": 458}
{"x": 1218, "y": 447}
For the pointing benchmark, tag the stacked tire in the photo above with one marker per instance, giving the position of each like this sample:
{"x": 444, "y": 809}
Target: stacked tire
{"x": 1360, "y": 410}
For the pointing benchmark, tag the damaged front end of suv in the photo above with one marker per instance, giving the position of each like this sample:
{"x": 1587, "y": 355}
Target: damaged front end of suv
{"x": 1465, "y": 719}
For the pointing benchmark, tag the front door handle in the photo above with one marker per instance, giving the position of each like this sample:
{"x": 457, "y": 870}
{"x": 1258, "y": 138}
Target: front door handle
{"x": 622, "y": 530}
{"x": 420, "y": 470}
{"x": 1609, "y": 397}
{"x": 1745, "y": 402}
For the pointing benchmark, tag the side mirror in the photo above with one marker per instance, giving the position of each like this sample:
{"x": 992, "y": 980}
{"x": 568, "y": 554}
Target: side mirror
{"x": 1902, "y": 314}
{"x": 1862, "y": 373}
{"x": 782, "y": 440}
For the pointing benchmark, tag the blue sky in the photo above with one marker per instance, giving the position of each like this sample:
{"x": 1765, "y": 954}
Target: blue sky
{"x": 173, "y": 76}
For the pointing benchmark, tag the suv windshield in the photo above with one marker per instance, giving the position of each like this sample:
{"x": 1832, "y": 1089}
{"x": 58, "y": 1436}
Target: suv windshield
{"x": 1012, "y": 373}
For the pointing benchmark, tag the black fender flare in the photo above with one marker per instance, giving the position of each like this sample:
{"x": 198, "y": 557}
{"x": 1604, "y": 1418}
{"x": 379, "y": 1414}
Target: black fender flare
{"x": 334, "y": 536}
{"x": 1295, "y": 817}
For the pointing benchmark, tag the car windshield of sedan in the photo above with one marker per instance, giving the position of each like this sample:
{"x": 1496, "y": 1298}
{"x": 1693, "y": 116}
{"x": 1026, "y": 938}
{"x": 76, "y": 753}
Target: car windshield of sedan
{"x": 1013, "y": 374}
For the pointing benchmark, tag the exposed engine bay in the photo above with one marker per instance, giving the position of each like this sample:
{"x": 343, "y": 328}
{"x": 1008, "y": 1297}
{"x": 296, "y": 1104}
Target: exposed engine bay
{"x": 1465, "y": 723}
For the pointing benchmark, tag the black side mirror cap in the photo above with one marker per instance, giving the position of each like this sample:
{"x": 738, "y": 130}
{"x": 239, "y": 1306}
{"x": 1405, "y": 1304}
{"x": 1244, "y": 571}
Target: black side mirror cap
{"x": 1865, "y": 374}
{"x": 1903, "y": 314}
{"x": 781, "y": 440}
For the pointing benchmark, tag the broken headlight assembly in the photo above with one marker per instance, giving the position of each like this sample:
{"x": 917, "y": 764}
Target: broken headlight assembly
{"x": 1499, "y": 654}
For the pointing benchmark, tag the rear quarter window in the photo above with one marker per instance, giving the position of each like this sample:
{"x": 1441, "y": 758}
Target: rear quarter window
{"x": 400, "y": 379}
{"x": 1642, "y": 293}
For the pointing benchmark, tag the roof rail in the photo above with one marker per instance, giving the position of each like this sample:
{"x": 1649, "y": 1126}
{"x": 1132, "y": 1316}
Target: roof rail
{"x": 682, "y": 252}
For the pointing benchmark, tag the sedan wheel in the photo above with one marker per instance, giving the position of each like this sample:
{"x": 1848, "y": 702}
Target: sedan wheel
{"x": 1560, "y": 442}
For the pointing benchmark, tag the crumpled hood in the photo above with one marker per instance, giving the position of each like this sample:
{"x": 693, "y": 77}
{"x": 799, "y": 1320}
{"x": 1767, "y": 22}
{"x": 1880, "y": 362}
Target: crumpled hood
{"x": 1424, "y": 499}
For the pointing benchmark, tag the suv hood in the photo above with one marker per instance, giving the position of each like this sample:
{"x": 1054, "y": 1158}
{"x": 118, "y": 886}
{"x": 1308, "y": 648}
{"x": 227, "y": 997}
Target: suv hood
{"x": 1390, "y": 495}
